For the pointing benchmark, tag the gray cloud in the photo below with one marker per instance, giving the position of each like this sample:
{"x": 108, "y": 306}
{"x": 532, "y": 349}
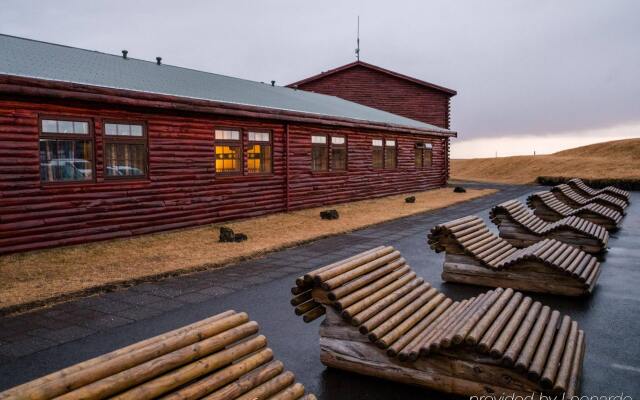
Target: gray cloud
{"x": 520, "y": 67}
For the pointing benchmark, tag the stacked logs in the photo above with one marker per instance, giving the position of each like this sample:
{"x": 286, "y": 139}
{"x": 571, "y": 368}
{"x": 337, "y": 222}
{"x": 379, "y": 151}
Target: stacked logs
{"x": 221, "y": 357}
{"x": 515, "y": 214}
{"x": 377, "y": 292}
{"x": 566, "y": 194}
{"x": 472, "y": 236}
{"x": 548, "y": 207}
{"x": 587, "y": 191}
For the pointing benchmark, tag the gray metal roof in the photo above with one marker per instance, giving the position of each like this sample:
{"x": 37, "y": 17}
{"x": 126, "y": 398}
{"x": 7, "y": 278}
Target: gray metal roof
{"x": 36, "y": 59}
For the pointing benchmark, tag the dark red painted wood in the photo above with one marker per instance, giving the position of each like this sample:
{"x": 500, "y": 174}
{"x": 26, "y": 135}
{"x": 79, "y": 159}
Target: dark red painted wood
{"x": 182, "y": 188}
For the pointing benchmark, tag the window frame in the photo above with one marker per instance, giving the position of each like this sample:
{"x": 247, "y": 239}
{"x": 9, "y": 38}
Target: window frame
{"x": 376, "y": 168}
{"x": 345, "y": 146}
{"x": 144, "y": 139}
{"x": 326, "y": 144}
{"x": 68, "y": 136}
{"x": 384, "y": 153}
{"x": 222, "y": 142}
{"x": 250, "y": 142}
{"x": 423, "y": 147}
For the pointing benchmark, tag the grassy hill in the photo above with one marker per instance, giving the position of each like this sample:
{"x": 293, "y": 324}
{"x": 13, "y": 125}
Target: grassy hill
{"x": 619, "y": 159}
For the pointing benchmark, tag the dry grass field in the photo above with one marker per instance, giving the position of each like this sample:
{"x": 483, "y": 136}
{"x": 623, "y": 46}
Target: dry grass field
{"x": 46, "y": 274}
{"x": 616, "y": 159}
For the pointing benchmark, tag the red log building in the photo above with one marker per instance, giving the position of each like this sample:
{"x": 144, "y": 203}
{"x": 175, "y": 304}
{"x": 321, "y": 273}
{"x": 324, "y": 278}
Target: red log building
{"x": 96, "y": 146}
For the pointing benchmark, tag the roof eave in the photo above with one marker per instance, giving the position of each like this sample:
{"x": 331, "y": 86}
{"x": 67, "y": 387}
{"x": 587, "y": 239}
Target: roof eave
{"x": 29, "y": 86}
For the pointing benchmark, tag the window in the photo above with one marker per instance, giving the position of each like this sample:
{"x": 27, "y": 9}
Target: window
{"x": 338, "y": 153}
{"x": 319, "y": 153}
{"x": 125, "y": 150}
{"x": 259, "y": 153}
{"x": 228, "y": 151}
{"x": 377, "y": 153}
{"x": 424, "y": 155}
{"x": 389, "y": 154}
{"x": 66, "y": 151}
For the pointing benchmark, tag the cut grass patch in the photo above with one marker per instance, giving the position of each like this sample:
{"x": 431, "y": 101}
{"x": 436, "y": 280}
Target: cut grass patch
{"x": 45, "y": 275}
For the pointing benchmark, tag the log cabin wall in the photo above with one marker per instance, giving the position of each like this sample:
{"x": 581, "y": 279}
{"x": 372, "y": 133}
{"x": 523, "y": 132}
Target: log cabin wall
{"x": 386, "y": 92}
{"x": 182, "y": 188}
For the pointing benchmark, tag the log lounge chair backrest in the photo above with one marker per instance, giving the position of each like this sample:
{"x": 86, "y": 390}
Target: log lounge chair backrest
{"x": 472, "y": 236}
{"x": 221, "y": 357}
{"x": 519, "y": 213}
{"x": 378, "y": 293}
{"x": 564, "y": 210}
{"x": 580, "y": 200}
{"x": 579, "y": 185}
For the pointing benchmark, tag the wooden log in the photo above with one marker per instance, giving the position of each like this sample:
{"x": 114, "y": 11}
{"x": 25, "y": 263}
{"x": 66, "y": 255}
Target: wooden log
{"x": 306, "y": 307}
{"x": 562, "y": 379}
{"x": 314, "y": 314}
{"x": 576, "y": 369}
{"x": 343, "y": 267}
{"x": 369, "y": 290}
{"x": 310, "y": 277}
{"x": 402, "y": 348}
{"x": 293, "y": 392}
{"x": 487, "y": 319}
{"x": 553, "y": 360}
{"x": 543, "y": 348}
{"x": 133, "y": 376}
{"x": 354, "y": 309}
{"x": 524, "y": 334}
{"x": 222, "y": 377}
{"x": 393, "y": 308}
{"x": 496, "y": 328}
{"x": 89, "y": 371}
{"x": 270, "y": 387}
{"x": 364, "y": 279}
{"x": 248, "y": 381}
{"x": 500, "y": 345}
{"x": 163, "y": 384}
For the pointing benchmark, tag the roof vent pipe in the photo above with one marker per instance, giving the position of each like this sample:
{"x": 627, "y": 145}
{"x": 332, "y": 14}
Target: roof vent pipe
{"x": 158, "y": 60}
{"x": 124, "y": 54}
{"x": 273, "y": 83}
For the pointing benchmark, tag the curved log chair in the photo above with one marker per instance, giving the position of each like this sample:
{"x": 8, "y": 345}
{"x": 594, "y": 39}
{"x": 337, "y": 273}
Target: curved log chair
{"x": 519, "y": 226}
{"x": 547, "y": 206}
{"x": 567, "y": 195}
{"x": 587, "y": 191}
{"x": 476, "y": 256}
{"x": 221, "y": 357}
{"x": 384, "y": 321}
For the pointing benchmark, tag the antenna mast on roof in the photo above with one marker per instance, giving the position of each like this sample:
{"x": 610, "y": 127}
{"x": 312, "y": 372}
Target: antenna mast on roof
{"x": 358, "y": 41}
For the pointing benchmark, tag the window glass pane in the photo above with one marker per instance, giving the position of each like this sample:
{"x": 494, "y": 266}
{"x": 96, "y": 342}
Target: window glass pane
{"x": 49, "y": 126}
{"x": 419, "y": 152}
{"x": 428, "y": 157}
{"x": 319, "y": 139}
{"x": 228, "y": 158}
{"x": 376, "y": 143}
{"x": 390, "y": 157}
{"x": 136, "y": 130}
{"x": 339, "y": 158}
{"x": 124, "y": 160}
{"x": 319, "y": 158}
{"x": 123, "y": 130}
{"x": 65, "y": 127}
{"x": 81, "y": 127}
{"x": 66, "y": 160}
{"x": 222, "y": 134}
{"x": 111, "y": 129}
{"x": 428, "y": 146}
{"x": 259, "y": 158}
{"x": 376, "y": 157}
{"x": 337, "y": 140}
{"x": 258, "y": 136}
{"x": 391, "y": 143}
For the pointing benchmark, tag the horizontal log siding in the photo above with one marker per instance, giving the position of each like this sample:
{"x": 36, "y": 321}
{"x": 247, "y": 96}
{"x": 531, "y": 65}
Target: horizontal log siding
{"x": 385, "y": 92}
{"x": 182, "y": 189}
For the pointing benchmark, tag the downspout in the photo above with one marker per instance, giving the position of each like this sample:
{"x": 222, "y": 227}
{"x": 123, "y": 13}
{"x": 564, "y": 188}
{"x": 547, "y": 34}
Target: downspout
{"x": 286, "y": 166}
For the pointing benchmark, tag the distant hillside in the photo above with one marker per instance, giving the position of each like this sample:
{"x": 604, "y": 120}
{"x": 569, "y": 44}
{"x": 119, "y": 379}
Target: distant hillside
{"x": 616, "y": 159}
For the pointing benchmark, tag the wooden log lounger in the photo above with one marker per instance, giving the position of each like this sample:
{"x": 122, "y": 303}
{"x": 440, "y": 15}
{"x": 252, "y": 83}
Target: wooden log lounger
{"x": 587, "y": 191}
{"x": 519, "y": 226}
{"x": 476, "y": 256}
{"x": 547, "y": 206}
{"x": 221, "y": 357}
{"x": 567, "y": 195}
{"x": 383, "y": 321}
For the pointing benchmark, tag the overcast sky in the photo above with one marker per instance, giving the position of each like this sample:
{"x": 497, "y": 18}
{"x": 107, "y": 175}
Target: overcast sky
{"x": 562, "y": 69}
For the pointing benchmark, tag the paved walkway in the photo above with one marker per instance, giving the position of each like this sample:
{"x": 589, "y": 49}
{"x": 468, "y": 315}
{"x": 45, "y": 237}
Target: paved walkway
{"x": 42, "y": 341}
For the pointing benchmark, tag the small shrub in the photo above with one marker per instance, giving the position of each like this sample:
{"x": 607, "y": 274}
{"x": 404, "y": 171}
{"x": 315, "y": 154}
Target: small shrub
{"x": 329, "y": 214}
{"x": 240, "y": 237}
{"x": 459, "y": 189}
{"x": 227, "y": 235}
{"x": 410, "y": 199}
